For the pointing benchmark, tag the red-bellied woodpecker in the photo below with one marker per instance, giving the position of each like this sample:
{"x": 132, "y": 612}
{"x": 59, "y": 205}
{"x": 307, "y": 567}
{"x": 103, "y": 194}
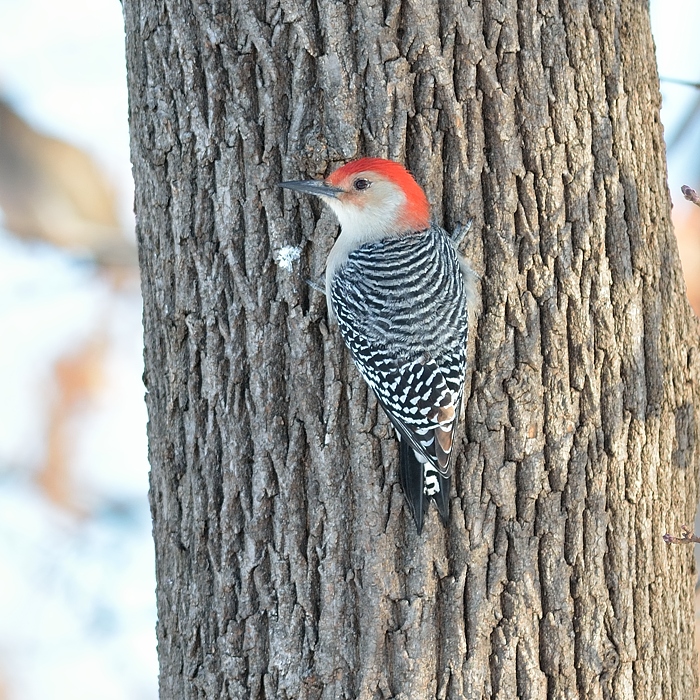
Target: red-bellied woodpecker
{"x": 401, "y": 294}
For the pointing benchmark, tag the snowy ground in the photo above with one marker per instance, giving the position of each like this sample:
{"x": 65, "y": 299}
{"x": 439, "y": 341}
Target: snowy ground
{"x": 77, "y": 601}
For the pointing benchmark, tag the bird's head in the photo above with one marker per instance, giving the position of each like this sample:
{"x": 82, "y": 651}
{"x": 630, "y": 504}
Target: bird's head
{"x": 372, "y": 198}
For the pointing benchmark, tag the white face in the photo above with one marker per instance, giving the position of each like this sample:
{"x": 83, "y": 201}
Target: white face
{"x": 365, "y": 215}
{"x": 370, "y": 213}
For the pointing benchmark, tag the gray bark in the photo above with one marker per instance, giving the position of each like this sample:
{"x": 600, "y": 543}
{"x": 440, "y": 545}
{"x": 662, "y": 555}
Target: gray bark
{"x": 287, "y": 563}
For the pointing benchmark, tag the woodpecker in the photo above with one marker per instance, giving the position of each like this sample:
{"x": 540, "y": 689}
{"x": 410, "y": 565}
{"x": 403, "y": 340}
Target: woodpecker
{"x": 401, "y": 295}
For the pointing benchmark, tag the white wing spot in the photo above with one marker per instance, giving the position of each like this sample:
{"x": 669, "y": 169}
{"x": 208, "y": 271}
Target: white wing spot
{"x": 431, "y": 485}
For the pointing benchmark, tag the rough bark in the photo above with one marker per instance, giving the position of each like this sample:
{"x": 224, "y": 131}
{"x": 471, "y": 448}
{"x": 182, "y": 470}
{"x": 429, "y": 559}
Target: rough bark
{"x": 287, "y": 563}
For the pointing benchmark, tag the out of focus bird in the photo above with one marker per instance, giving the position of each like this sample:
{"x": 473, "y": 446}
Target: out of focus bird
{"x": 54, "y": 192}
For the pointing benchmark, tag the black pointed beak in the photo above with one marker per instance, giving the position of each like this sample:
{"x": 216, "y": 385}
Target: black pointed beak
{"x": 316, "y": 187}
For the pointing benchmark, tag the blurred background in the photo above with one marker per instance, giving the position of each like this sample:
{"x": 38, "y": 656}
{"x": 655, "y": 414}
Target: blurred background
{"x": 77, "y": 602}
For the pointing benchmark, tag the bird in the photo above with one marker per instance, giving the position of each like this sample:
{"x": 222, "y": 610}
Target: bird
{"x": 402, "y": 295}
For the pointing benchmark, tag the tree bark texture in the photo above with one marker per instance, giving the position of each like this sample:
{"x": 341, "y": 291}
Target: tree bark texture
{"x": 288, "y": 565}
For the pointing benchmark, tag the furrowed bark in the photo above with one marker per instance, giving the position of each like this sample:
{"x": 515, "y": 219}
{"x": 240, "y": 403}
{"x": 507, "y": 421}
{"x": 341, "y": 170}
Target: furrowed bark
{"x": 287, "y": 562}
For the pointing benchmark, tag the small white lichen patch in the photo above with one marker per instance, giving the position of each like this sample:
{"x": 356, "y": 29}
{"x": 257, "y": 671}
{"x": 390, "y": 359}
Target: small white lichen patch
{"x": 286, "y": 255}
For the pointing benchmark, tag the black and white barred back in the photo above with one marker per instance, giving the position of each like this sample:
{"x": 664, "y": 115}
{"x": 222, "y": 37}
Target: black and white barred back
{"x": 401, "y": 305}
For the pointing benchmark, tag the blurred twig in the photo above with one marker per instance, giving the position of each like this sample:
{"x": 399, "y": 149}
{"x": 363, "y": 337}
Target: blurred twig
{"x": 691, "y": 195}
{"x": 680, "y": 81}
{"x": 687, "y": 537}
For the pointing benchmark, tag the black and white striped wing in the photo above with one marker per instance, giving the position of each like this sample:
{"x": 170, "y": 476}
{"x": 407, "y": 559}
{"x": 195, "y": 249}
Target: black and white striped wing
{"x": 402, "y": 311}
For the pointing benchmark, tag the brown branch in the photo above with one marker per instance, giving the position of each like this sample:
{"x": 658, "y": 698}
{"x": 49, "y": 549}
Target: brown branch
{"x": 691, "y": 195}
{"x": 687, "y": 537}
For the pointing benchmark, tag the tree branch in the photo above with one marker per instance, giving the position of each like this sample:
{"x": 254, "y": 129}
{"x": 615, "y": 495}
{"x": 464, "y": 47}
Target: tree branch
{"x": 680, "y": 81}
{"x": 687, "y": 537}
{"x": 691, "y": 195}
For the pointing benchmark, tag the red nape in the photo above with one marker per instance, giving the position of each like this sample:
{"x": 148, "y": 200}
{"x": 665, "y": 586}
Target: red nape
{"x": 417, "y": 214}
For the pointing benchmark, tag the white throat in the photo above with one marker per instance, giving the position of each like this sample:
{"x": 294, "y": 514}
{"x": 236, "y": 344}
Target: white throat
{"x": 376, "y": 219}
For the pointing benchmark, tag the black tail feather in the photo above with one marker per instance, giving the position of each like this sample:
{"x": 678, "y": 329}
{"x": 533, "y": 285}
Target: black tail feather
{"x": 442, "y": 498}
{"x": 411, "y": 477}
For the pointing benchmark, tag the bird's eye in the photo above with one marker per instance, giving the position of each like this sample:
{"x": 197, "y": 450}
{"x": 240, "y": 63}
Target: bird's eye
{"x": 361, "y": 184}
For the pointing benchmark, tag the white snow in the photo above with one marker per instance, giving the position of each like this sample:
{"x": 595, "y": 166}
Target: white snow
{"x": 287, "y": 255}
{"x": 77, "y": 590}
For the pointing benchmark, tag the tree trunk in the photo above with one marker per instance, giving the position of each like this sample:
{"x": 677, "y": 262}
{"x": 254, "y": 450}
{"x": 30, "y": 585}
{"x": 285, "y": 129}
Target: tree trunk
{"x": 288, "y": 564}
